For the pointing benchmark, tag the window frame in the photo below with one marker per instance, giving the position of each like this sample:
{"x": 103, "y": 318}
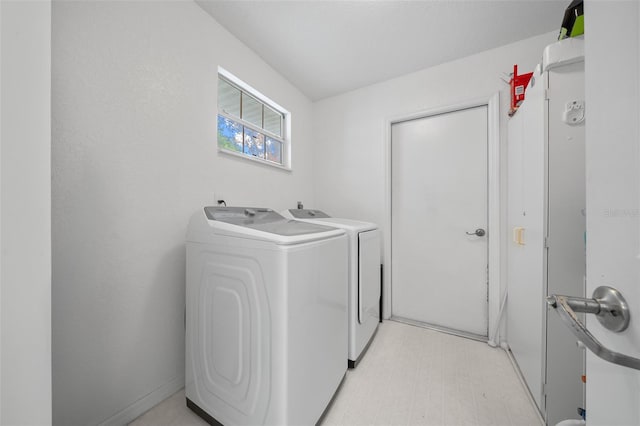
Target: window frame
{"x": 284, "y": 139}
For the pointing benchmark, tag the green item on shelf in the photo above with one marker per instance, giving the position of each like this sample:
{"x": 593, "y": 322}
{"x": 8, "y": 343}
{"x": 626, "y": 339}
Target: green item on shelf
{"x": 578, "y": 27}
{"x": 573, "y": 21}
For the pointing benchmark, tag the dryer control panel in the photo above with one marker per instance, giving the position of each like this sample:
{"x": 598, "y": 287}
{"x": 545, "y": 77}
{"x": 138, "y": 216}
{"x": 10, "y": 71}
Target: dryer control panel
{"x": 242, "y": 215}
{"x": 307, "y": 214}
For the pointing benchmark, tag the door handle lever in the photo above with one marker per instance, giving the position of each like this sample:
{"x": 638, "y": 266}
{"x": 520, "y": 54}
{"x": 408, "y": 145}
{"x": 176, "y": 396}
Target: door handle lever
{"x": 479, "y": 232}
{"x": 612, "y": 312}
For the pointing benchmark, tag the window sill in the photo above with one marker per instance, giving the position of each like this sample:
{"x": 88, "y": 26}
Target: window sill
{"x": 254, "y": 159}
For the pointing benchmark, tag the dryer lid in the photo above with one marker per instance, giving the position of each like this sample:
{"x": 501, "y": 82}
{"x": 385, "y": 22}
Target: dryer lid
{"x": 263, "y": 219}
{"x": 319, "y": 217}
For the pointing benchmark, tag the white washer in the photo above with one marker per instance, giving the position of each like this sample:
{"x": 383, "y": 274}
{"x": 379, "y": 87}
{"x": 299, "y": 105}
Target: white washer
{"x": 364, "y": 276}
{"x": 266, "y": 310}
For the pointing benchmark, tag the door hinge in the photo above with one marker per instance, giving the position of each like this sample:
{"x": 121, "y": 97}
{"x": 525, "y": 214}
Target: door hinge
{"x": 546, "y": 242}
{"x": 487, "y": 281}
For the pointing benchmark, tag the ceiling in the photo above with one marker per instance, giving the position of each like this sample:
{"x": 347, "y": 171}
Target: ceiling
{"x": 326, "y": 47}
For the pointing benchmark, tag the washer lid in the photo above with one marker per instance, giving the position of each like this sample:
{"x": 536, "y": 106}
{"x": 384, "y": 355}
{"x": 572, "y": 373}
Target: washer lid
{"x": 266, "y": 221}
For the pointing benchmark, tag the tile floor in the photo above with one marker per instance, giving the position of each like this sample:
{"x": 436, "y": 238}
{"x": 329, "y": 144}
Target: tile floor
{"x": 410, "y": 376}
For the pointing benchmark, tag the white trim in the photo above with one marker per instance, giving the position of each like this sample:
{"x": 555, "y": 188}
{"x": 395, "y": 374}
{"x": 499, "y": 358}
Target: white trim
{"x": 495, "y": 212}
{"x": 494, "y": 202}
{"x": 446, "y": 330}
{"x": 523, "y": 383}
{"x": 252, "y": 158}
{"x": 2, "y": 101}
{"x": 386, "y": 234}
{"x": 145, "y": 403}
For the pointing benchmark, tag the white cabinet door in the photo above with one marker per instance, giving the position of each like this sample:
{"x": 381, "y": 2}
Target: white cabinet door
{"x": 546, "y": 203}
{"x": 566, "y": 231}
{"x": 526, "y": 260}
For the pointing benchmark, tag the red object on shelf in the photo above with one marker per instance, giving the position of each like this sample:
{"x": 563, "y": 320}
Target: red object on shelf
{"x": 518, "y": 85}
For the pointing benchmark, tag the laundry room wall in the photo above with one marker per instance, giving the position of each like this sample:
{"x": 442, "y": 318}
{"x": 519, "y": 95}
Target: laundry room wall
{"x": 134, "y": 154}
{"x": 351, "y": 129}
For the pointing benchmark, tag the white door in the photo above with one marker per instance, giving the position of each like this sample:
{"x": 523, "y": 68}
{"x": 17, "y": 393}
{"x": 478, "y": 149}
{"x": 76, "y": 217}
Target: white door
{"x": 613, "y": 198}
{"x": 439, "y": 198}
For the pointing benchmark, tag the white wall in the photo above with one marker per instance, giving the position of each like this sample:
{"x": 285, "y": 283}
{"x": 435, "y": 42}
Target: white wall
{"x": 350, "y": 129}
{"x": 25, "y": 213}
{"x": 134, "y": 155}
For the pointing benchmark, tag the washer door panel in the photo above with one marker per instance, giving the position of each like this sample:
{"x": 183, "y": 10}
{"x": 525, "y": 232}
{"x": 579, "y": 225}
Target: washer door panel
{"x": 232, "y": 328}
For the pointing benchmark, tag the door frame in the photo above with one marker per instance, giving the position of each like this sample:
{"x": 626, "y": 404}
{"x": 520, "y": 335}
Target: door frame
{"x": 494, "y": 203}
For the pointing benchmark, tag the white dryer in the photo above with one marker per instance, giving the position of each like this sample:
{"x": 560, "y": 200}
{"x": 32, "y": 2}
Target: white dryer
{"x": 266, "y": 311}
{"x": 364, "y": 276}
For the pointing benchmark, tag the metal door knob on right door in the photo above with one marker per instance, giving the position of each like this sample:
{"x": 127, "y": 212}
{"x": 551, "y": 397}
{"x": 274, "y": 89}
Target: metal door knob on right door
{"x": 479, "y": 232}
{"x": 612, "y": 312}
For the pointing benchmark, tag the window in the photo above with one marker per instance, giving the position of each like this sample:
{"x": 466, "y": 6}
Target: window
{"x": 249, "y": 124}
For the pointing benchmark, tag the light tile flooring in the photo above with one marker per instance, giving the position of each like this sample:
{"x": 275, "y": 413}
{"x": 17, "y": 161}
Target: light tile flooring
{"x": 410, "y": 376}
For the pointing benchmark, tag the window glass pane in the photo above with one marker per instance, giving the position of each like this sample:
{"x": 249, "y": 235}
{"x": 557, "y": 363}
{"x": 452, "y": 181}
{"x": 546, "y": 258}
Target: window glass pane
{"x": 272, "y": 121}
{"x": 251, "y": 110}
{"x": 274, "y": 150}
{"x": 228, "y": 98}
{"x": 229, "y": 134}
{"x": 253, "y": 143}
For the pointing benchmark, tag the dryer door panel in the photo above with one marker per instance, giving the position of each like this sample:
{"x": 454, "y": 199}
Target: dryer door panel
{"x": 368, "y": 275}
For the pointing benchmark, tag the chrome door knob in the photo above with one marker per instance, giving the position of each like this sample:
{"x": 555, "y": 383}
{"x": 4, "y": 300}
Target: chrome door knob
{"x": 478, "y": 232}
{"x": 612, "y": 311}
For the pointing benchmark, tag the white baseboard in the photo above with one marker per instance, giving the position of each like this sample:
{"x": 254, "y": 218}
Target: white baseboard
{"x": 145, "y": 403}
{"x": 523, "y": 382}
